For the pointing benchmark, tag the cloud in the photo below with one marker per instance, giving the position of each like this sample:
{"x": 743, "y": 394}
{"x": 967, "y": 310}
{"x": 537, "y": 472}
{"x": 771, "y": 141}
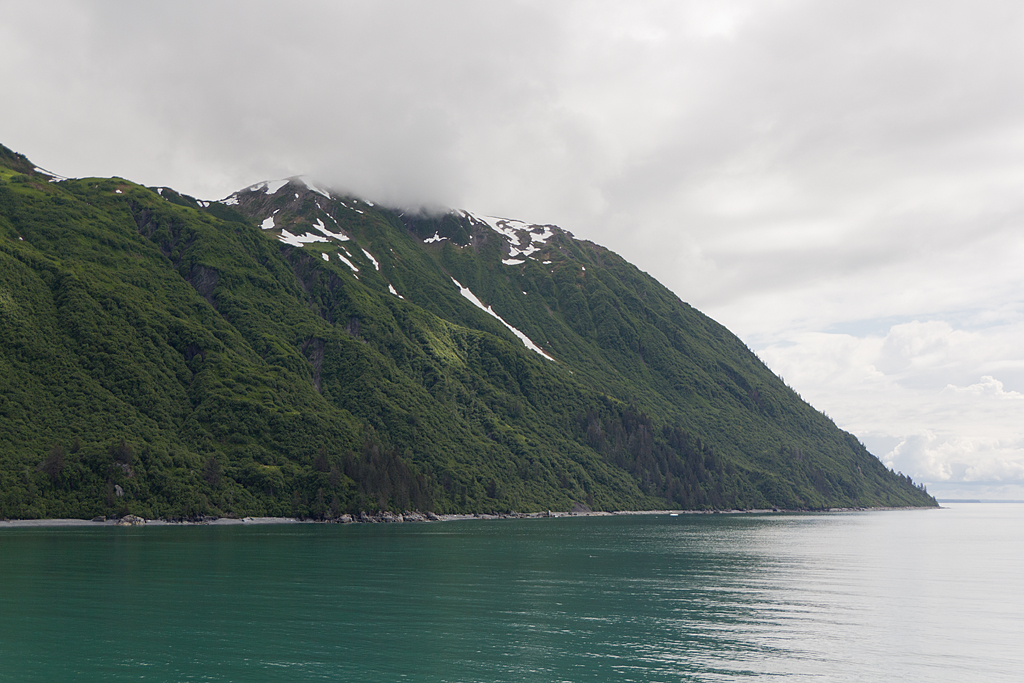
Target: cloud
{"x": 895, "y": 392}
{"x": 989, "y": 387}
{"x": 961, "y": 460}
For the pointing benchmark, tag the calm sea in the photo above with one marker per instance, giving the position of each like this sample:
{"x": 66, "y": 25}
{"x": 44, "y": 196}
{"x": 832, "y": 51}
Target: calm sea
{"x": 933, "y": 595}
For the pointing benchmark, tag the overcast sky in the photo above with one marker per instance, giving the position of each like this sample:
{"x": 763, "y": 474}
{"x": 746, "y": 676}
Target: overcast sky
{"x": 840, "y": 183}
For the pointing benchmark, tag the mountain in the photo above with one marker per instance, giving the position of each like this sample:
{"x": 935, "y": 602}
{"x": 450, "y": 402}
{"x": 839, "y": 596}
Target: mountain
{"x": 293, "y": 351}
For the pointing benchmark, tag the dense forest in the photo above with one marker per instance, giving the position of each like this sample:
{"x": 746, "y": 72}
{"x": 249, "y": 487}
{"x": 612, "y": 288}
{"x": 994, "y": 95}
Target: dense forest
{"x": 289, "y": 351}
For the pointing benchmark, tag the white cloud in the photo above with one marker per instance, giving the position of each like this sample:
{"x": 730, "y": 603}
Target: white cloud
{"x": 952, "y": 460}
{"x": 988, "y": 386}
{"x": 895, "y": 392}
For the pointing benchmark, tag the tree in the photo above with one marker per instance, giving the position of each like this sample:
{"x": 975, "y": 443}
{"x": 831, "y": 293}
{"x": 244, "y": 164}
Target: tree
{"x": 53, "y": 465}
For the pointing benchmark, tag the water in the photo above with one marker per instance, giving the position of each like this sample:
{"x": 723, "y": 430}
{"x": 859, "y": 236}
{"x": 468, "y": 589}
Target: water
{"x": 934, "y": 595}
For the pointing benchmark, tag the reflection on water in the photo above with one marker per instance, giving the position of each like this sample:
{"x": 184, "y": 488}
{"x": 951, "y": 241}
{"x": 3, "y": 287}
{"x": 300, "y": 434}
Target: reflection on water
{"x": 919, "y": 595}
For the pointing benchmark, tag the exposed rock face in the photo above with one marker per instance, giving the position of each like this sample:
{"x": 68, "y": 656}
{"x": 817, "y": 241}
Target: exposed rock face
{"x": 131, "y": 520}
{"x": 386, "y": 517}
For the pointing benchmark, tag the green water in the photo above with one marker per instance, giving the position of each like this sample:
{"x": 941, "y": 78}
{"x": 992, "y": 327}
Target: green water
{"x": 929, "y": 595}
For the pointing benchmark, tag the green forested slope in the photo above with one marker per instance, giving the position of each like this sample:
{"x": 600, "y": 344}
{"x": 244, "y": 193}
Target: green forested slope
{"x": 168, "y": 357}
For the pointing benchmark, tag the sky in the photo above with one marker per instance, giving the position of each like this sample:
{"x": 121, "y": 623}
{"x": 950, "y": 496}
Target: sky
{"x": 839, "y": 183}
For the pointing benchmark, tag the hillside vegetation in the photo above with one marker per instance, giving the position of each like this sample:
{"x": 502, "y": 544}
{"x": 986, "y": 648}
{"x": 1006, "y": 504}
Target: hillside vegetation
{"x": 289, "y": 351}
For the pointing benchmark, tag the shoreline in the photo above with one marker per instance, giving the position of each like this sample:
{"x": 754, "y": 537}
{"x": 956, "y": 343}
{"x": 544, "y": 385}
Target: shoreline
{"x": 406, "y": 517}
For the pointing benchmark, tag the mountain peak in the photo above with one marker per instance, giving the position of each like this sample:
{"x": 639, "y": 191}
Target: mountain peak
{"x": 301, "y": 212}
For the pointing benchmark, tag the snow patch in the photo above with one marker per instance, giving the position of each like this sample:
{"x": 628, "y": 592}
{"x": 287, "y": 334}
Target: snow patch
{"x": 545, "y": 234}
{"x": 309, "y": 237}
{"x": 118, "y": 192}
{"x": 230, "y": 201}
{"x": 393, "y": 291}
{"x": 316, "y": 189}
{"x": 436, "y": 238}
{"x": 499, "y": 225}
{"x": 201, "y": 203}
{"x": 160, "y": 191}
{"x": 325, "y": 257}
{"x": 53, "y": 176}
{"x": 529, "y": 251}
{"x": 328, "y": 215}
{"x": 341, "y": 237}
{"x": 348, "y": 263}
{"x": 372, "y": 260}
{"x": 524, "y": 239}
{"x": 512, "y": 261}
{"x": 299, "y": 240}
{"x": 490, "y": 311}
{"x": 268, "y": 186}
